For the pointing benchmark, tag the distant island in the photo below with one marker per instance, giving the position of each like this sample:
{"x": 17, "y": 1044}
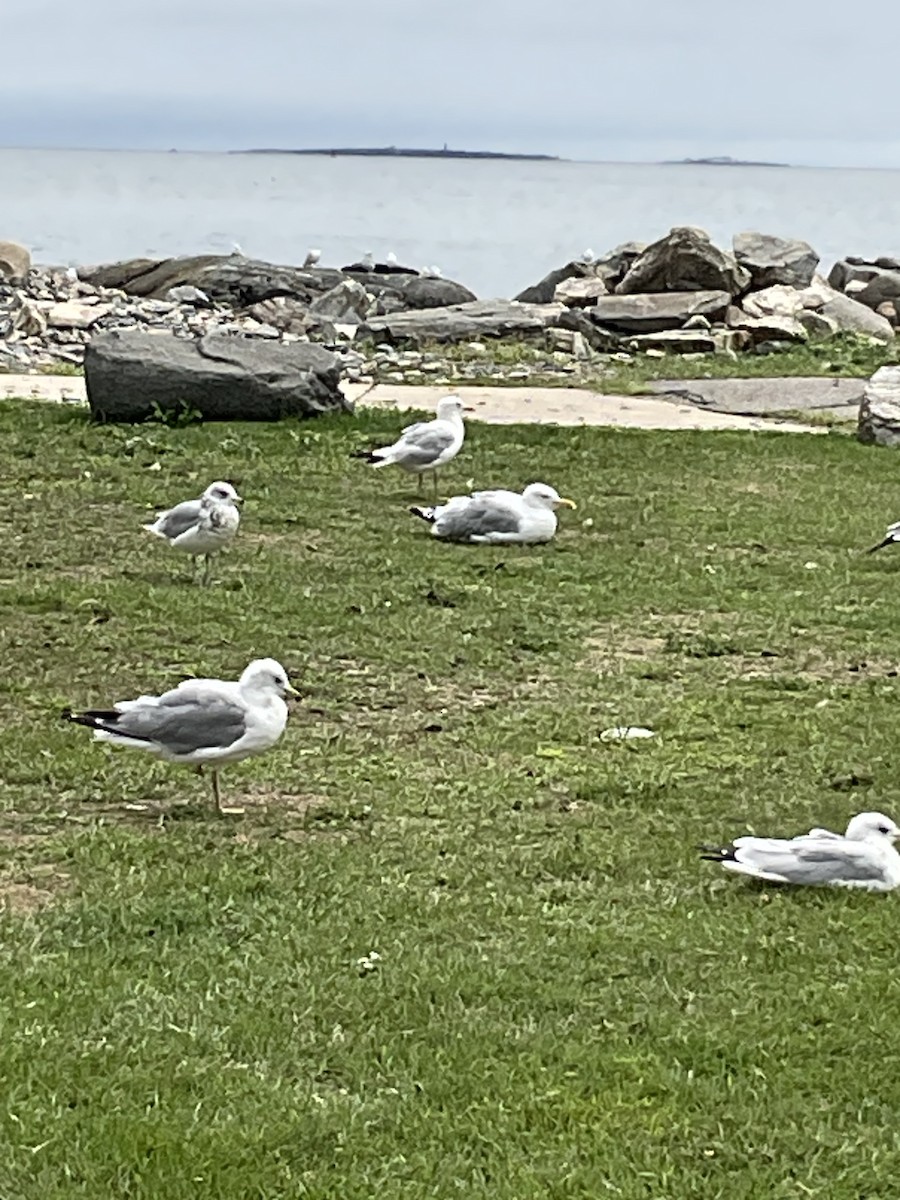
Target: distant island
{"x": 401, "y": 152}
{"x": 719, "y": 160}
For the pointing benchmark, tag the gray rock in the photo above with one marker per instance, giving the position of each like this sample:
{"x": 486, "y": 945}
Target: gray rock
{"x": 71, "y": 315}
{"x": 889, "y": 310}
{"x": 130, "y": 374}
{"x": 227, "y": 278}
{"x": 413, "y": 291}
{"x": 613, "y": 266}
{"x": 677, "y": 341}
{"x": 773, "y": 327}
{"x": 817, "y": 325}
{"x": 577, "y": 320}
{"x": 188, "y": 294}
{"x": 879, "y": 409}
{"x": 685, "y": 260}
{"x": 464, "y": 322}
{"x": 855, "y": 270}
{"x": 15, "y": 261}
{"x": 774, "y": 260}
{"x": 543, "y": 292}
{"x": 579, "y": 293}
{"x": 884, "y": 286}
{"x": 347, "y": 303}
{"x": 848, "y": 314}
{"x": 653, "y": 312}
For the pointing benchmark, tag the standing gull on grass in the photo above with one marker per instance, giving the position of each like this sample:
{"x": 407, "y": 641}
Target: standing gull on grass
{"x": 201, "y": 721}
{"x": 426, "y": 446}
{"x": 863, "y": 857}
{"x": 201, "y": 527}
{"x": 497, "y": 517}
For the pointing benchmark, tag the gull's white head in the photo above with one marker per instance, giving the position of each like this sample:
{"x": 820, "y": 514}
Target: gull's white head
{"x": 542, "y": 495}
{"x": 872, "y": 827}
{"x": 266, "y": 675}
{"x": 221, "y": 492}
{"x": 449, "y": 408}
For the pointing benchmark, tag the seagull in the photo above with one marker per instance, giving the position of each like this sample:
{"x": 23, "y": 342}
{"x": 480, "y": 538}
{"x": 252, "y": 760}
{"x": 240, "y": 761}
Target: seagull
{"x": 892, "y": 535}
{"x": 587, "y": 256}
{"x": 391, "y": 259}
{"x": 863, "y": 857}
{"x": 201, "y": 721}
{"x": 367, "y": 261}
{"x": 497, "y": 517}
{"x": 426, "y": 445}
{"x": 312, "y": 257}
{"x": 201, "y": 527}
{"x": 432, "y": 272}
{"x": 237, "y": 249}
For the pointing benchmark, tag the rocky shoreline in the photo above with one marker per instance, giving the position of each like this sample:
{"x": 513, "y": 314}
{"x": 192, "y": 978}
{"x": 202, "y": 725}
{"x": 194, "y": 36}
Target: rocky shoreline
{"x": 385, "y": 323}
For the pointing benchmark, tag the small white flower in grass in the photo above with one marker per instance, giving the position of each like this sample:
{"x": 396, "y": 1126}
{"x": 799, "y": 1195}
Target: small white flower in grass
{"x": 87, "y": 475}
{"x": 587, "y": 523}
{"x": 155, "y": 467}
{"x": 709, "y": 568}
{"x": 811, "y": 566}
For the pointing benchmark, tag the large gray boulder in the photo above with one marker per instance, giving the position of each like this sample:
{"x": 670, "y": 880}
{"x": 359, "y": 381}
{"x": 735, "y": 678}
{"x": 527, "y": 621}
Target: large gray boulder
{"x": 614, "y": 265}
{"x": 464, "y": 322}
{"x": 131, "y": 374}
{"x": 654, "y": 312}
{"x": 227, "y": 278}
{"x": 773, "y": 260}
{"x": 849, "y": 315}
{"x": 853, "y": 270}
{"x": 413, "y": 291}
{"x": 884, "y": 286}
{"x": 685, "y": 260}
{"x": 879, "y": 409}
{"x": 15, "y": 262}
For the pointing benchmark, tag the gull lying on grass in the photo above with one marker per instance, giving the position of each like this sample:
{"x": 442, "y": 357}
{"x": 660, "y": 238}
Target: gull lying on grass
{"x": 892, "y": 535}
{"x": 863, "y": 857}
{"x": 201, "y": 721}
{"x": 426, "y": 446}
{"x": 201, "y": 527}
{"x": 498, "y": 516}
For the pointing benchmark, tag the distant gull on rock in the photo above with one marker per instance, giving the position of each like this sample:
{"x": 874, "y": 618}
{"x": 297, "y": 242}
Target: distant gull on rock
{"x": 201, "y": 722}
{"x": 312, "y": 257}
{"x": 587, "y": 256}
{"x": 863, "y": 857}
{"x": 201, "y": 527}
{"x": 238, "y": 250}
{"x": 497, "y": 517}
{"x": 425, "y": 446}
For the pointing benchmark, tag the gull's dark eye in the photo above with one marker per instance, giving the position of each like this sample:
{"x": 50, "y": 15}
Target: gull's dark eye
{"x": 884, "y": 829}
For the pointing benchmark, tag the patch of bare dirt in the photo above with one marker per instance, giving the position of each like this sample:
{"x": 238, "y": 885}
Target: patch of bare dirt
{"x": 24, "y": 897}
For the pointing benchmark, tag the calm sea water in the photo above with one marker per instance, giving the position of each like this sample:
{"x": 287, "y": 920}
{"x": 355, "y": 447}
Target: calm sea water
{"x": 495, "y": 226}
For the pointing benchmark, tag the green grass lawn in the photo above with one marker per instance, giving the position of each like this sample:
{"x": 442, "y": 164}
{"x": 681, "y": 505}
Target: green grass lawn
{"x": 566, "y": 1002}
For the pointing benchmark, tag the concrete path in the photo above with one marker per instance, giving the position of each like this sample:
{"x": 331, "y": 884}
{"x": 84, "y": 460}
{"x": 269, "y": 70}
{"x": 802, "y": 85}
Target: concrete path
{"x": 495, "y": 405}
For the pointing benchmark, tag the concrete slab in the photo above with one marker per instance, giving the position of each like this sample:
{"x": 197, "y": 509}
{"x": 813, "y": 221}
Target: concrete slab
{"x": 565, "y": 406}
{"x": 495, "y": 405}
{"x": 758, "y": 397}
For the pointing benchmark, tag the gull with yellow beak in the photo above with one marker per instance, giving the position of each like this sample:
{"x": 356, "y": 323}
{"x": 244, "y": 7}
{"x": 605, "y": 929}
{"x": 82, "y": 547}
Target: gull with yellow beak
{"x": 201, "y": 722}
{"x": 497, "y": 517}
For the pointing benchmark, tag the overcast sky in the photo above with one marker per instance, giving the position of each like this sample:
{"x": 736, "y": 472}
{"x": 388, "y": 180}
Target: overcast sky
{"x": 804, "y": 81}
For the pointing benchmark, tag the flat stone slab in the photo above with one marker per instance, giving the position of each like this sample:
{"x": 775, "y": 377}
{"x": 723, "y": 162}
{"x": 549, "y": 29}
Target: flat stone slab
{"x": 758, "y": 397}
{"x": 505, "y": 406}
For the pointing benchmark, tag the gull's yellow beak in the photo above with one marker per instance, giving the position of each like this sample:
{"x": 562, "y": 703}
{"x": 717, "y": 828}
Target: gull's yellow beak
{"x": 565, "y": 502}
{"x": 291, "y": 691}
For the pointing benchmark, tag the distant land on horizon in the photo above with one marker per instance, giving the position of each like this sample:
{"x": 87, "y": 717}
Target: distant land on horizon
{"x": 719, "y": 160}
{"x": 400, "y": 152}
